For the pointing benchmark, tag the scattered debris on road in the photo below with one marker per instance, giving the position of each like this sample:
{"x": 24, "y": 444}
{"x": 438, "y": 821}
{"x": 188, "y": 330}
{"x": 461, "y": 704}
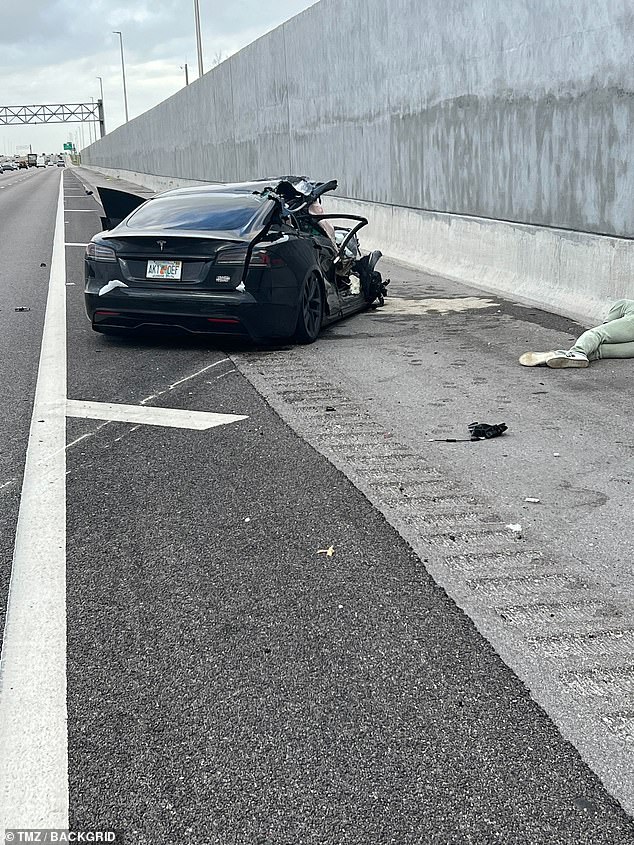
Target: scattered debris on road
{"x": 479, "y": 431}
{"x": 329, "y": 552}
{"x": 532, "y": 499}
{"x": 486, "y": 431}
{"x": 22, "y": 308}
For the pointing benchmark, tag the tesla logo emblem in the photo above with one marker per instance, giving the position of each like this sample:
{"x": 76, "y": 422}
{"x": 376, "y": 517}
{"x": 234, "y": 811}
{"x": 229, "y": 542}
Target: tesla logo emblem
{"x": 161, "y": 244}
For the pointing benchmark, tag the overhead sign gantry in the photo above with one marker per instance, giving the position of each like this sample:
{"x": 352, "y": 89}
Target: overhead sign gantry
{"x": 57, "y": 113}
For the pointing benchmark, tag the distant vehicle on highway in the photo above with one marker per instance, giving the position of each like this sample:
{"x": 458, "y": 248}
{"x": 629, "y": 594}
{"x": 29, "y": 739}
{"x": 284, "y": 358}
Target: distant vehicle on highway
{"x": 41, "y": 161}
{"x": 258, "y": 259}
{"x": 50, "y": 163}
{"x": 61, "y": 163}
{"x": 8, "y": 165}
{"x": 32, "y": 159}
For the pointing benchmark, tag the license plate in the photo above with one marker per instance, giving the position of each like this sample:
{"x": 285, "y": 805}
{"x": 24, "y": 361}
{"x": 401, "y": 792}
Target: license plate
{"x": 164, "y": 270}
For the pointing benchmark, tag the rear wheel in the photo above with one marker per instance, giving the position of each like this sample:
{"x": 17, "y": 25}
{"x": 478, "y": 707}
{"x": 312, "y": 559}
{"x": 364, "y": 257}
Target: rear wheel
{"x": 311, "y": 312}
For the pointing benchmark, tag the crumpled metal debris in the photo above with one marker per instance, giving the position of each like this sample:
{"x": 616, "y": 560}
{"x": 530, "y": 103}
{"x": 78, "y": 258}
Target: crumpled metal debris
{"x": 112, "y": 284}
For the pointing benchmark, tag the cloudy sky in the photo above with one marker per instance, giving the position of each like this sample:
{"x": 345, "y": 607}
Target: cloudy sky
{"x": 52, "y": 51}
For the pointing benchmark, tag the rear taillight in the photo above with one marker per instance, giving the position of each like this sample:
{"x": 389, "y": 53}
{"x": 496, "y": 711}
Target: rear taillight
{"x": 238, "y": 255}
{"x": 228, "y": 321}
{"x": 98, "y": 252}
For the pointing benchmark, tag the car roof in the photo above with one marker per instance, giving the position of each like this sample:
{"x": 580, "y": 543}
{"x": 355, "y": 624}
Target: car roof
{"x": 241, "y": 197}
{"x": 231, "y": 188}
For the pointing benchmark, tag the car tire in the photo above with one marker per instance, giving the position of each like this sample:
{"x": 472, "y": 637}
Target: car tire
{"x": 311, "y": 311}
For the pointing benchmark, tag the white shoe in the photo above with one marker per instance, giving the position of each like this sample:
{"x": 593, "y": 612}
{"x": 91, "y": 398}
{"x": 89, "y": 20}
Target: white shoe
{"x": 535, "y": 359}
{"x": 567, "y": 358}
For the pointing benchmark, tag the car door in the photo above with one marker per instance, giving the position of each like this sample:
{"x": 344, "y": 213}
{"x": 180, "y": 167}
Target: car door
{"x": 326, "y": 253}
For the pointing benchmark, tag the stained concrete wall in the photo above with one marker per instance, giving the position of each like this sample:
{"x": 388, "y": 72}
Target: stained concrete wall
{"x": 515, "y": 110}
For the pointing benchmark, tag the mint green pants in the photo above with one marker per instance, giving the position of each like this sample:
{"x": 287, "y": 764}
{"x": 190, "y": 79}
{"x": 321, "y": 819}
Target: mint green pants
{"x": 612, "y": 339}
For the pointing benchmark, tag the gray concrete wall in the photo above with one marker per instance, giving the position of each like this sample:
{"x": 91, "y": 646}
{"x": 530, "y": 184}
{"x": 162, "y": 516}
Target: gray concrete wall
{"x": 515, "y": 110}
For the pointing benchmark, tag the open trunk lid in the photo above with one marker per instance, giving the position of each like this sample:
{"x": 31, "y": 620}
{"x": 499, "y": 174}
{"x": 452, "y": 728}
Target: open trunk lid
{"x": 117, "y": 205}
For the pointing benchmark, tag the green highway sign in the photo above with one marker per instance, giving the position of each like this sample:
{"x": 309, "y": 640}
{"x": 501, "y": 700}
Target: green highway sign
{"x": 68, "y": 146}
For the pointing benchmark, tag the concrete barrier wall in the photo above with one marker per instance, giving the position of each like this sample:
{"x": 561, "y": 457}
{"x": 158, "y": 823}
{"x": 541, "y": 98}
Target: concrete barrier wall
{"x": 504, "y": 110}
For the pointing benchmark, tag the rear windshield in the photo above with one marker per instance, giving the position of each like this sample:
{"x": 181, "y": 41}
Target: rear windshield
{"x": 199, "y": 213}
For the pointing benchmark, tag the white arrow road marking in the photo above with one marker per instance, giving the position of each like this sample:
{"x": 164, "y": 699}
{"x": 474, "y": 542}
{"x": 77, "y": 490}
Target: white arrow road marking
{"x": 147, "y": 415}
{"x": 33, "y": 733}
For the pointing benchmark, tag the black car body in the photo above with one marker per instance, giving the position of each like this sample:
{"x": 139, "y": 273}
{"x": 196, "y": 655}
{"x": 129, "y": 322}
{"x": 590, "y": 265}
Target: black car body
{"x": 249, "y": 258}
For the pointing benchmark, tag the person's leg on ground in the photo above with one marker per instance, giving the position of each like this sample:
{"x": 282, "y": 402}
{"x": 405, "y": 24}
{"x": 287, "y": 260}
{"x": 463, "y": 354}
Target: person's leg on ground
{"x": 615, "y": 350}
{"x": 620, "y": 330}
{"x": 620, "y": 308}
{"x": 616, "y": 331}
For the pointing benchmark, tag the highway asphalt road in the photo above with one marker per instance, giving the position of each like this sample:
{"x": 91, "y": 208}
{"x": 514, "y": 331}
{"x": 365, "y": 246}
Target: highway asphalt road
{"x": 226, "y": 680}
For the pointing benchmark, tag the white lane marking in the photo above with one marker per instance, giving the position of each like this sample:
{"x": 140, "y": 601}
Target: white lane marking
{"x": 83, "y": 437}
{"x": 144, "y": 415}
{"x": 8, "y": 483}
{"x": 147, "y": 399}
{"x": 183, "y": 380}
{"x": 83, "y": 210}
{"x": 33, "y": 733}
{"x": 68, "y": 243}
{"x": 228, "y": 373}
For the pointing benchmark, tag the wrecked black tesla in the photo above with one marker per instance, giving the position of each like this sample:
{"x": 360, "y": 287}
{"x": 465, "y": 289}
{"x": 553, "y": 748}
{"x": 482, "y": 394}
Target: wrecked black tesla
{"x": 260, "y": 259}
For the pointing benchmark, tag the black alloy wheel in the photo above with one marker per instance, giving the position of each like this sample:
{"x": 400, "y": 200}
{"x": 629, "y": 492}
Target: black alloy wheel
{"x": 311, "y": 310}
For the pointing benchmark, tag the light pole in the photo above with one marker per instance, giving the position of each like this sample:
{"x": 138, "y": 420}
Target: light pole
{"x": 199, "y": 45}
{"x": 102, "y": 121}
{"x": 125, "y": 93}
{"x": 91, "y": 126}
{"x": 186, "y": 73}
